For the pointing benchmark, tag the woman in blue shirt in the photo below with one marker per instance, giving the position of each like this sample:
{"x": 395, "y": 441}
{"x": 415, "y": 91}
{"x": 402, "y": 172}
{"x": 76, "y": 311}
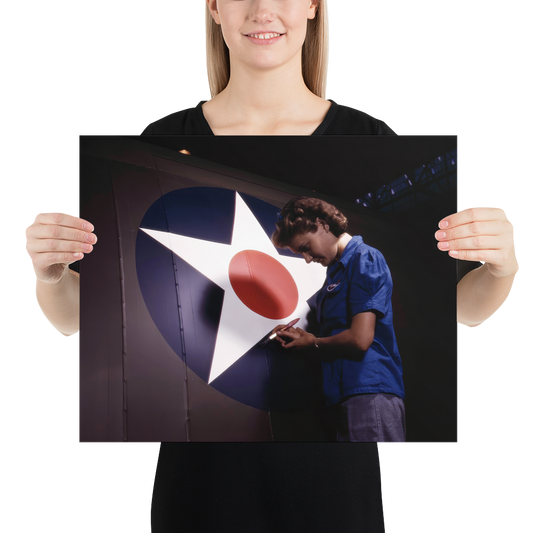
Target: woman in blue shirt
{"x": 362, "y": 369}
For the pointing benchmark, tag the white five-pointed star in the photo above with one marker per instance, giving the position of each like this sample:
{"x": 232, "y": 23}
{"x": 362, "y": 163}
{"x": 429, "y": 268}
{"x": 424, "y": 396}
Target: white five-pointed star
{"x": 240, "y": 328}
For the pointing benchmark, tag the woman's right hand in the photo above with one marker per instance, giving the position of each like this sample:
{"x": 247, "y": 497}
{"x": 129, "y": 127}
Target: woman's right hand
{"x": 56, "y": 240}
{"x": 280, "y": 329}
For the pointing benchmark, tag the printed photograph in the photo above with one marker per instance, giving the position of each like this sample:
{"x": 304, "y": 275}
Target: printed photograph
{"x": 269, "y": 289}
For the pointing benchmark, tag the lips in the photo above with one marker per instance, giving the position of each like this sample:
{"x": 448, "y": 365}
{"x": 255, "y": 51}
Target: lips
{"x": 264, "y": 38}
{"x": 263, "y": 33}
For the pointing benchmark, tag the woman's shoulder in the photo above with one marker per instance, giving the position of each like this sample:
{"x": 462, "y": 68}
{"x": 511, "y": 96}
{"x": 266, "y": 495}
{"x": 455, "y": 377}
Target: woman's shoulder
{"x": 343, "y": 120}
{"x": 363, "y": 259}
{"x": 186, "y": 122}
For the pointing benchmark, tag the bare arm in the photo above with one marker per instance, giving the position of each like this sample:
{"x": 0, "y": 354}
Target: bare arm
{"x": 481, "y": 296}
{"x": 480, "y": 234}
{"x": 52, "y": 241}
{"x": 359, "y": 337}
{"x": 60, "y": 302}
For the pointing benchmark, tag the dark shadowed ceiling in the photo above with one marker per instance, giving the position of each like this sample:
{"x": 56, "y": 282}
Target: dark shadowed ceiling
{"x": 347, "y": 166}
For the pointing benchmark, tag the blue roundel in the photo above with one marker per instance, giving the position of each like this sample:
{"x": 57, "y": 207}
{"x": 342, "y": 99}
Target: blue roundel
{"x": 186, "y": 306}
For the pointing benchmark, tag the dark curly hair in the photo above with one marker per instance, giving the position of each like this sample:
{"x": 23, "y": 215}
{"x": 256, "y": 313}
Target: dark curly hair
{"x": 299, "y": 216}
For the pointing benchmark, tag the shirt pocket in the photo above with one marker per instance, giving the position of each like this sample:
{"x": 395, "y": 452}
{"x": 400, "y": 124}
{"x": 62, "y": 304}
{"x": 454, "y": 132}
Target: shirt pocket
{"x": 333, "y": 305}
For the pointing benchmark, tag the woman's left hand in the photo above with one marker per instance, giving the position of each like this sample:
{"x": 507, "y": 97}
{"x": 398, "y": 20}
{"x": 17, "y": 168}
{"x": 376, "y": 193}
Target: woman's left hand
{"x": 296, "y": 338}
{"x": 480, "y": 234}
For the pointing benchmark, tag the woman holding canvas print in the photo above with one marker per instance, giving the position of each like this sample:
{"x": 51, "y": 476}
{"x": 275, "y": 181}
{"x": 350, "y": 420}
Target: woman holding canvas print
{"x": 269, "y": 92}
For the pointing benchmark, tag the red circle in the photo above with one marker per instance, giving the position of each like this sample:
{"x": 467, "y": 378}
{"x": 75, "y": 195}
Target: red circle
{"x": 263, "y": 284}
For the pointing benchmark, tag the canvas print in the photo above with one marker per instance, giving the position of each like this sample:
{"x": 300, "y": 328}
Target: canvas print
{"x": 214, "y": 306}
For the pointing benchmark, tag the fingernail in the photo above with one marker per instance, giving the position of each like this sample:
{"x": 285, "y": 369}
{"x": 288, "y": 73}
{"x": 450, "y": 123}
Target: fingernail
{"x": 89, "y": 237}
{"x": 443, "y": 224}
{"x": 441, "y": 234}
{"x": 453, "y": 253}
{"x": 86, "y": 247}
{"x": 443, "y": 245}
{"x": 87, "y": 227}
{"x": 78, "y": 255}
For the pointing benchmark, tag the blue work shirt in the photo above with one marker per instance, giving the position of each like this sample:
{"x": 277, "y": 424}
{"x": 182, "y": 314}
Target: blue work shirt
{"x": 359, "y": 281}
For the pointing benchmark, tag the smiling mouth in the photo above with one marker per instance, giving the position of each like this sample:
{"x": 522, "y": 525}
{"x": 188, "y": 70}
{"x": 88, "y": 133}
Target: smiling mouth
{"x": 263, "y": 36}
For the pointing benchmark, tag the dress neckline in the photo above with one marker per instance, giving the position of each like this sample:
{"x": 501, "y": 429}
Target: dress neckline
{"x": 323, "y": 126}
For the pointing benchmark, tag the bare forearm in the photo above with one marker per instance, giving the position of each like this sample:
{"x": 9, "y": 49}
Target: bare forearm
{"x": 480, "y": 294}
{"x": 342, "y": 343}
{"x": 60, "y": 302}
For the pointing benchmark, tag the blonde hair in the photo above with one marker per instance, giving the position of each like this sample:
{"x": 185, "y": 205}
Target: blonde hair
{"x": 314, "y": 53}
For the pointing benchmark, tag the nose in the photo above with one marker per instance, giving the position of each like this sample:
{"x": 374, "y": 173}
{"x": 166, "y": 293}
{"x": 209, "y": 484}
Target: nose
{"x": 307, "y": 257}
{"x": 262, "y": 11}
